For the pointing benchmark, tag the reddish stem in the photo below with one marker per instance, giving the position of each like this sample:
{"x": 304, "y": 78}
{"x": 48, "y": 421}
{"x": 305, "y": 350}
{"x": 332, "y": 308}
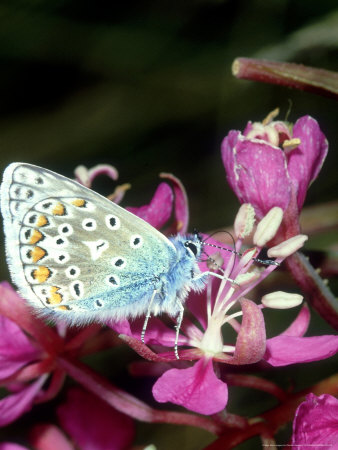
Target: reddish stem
{"x": 271, "y": 421}
{"x": 126, "y": 403}
{"x": 319, "y": 81}
{"x": 55, "y": 385}
{"x": 254, "y": 382}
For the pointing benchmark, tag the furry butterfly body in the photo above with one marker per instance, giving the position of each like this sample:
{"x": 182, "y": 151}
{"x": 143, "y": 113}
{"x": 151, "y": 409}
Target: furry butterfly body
{"x": 74, "y": 254}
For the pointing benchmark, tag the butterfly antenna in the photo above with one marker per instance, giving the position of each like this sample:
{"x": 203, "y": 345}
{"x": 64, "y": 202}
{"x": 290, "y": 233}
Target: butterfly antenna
{"x": 266, "y": 262}
{"x": 222, "y": 248}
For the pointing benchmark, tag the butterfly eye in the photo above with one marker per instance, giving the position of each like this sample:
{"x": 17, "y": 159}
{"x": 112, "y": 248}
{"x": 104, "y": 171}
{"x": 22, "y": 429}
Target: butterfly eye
{"x": 191, "y": 247}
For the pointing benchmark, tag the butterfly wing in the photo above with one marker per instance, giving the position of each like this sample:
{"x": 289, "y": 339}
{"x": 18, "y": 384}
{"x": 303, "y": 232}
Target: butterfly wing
{"x": 70, "y": 249}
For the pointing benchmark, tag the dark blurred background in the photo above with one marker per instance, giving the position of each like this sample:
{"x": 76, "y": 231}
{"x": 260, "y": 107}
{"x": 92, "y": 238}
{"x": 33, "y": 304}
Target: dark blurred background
{"x": 147, "y": 87}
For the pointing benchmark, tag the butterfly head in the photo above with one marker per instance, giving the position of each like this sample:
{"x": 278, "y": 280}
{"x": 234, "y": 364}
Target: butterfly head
{"x": 193, "y": 246}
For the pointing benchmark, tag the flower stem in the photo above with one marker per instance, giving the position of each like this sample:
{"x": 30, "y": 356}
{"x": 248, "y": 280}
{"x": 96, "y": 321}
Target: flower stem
{"x": 271, "y": 421}
{"x": 293, "y": 75}
{"x": 128, "y": 404}
{"x": 319, "y": 295}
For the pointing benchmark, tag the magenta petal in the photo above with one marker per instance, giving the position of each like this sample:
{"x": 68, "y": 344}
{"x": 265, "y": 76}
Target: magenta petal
{"x": 300, "y": 325}
{"x": 93, "y": 424}
{"x": 103, "y": 169}
{"x": 228, "y": 157}
{"x": 284, "y": 350}
{"x": 158, "y": 212}
{"x": 196, "y": 388}
{"x": 14, "y": 405}
{"x": 157, "y": 333}
{"x": 181, "y": 205}
{"x": 16, "y": 350}
{"x": 256, "y": 171}
{"x": 316, "y": 423}
{"x": 305, "y": 161}
{"x": 86, "y": 176}
{"x": 251, "y": 339}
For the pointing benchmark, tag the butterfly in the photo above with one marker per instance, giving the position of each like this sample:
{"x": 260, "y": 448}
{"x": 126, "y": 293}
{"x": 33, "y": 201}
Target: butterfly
{"x": 75, "y": 255}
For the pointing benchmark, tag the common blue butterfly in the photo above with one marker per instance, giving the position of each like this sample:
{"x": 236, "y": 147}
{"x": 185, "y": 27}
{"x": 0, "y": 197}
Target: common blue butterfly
{"x": 75, "y": 255}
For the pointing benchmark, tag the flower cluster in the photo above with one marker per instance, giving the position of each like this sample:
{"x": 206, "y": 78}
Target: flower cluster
{"x": 270, "y": 167}
{"x": 208, "y": 314}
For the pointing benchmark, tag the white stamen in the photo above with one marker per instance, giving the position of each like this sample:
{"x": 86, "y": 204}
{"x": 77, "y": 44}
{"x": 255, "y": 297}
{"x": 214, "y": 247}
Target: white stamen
{"x": 281, "y": 300}
{"x": 268, "y": 226}
{"x": 291, "y": 144}
{"x": 286, "y": 248}
{"x": 247, "y": 256}
{"x": 246, "y": 278}
{"x": 244, "y": 221}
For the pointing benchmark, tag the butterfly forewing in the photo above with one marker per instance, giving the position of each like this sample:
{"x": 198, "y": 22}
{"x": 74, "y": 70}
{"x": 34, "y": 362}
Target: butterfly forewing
{"x": 71, "y": 249}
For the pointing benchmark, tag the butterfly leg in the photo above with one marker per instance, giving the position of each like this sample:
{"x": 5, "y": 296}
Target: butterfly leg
{"x": 148, "y": 315}
{"x": 217, "y": 275}
{"x": 178, "y": 327}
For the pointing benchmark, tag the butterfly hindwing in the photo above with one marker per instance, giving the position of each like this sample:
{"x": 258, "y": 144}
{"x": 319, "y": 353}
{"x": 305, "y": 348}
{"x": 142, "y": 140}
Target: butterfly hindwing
{"x": 70, "y": 249}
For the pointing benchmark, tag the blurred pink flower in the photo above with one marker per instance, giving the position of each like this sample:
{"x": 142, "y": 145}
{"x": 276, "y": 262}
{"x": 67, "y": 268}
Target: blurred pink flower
{"x": 316, "y": 423}
{"x": 273, "y": 163}
{"x": 23, "y": 358}
{"x": 97, "y": 425}
{"x": 49, "y": 437}
{"x": 11, "y": 446}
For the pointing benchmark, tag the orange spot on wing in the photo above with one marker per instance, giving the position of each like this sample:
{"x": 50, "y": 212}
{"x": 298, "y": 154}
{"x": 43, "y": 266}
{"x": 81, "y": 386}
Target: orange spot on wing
{"x": 59, "y": 209}
{"x": 35, "y": 237}
{"x": 55, "y": 297}
{"x": 42, "y": 221}
{"x": 79, "y": 202}
{"x": 37, "y": 254}
{"x": 41, "y": 274}
{"x": 63, "y": 308}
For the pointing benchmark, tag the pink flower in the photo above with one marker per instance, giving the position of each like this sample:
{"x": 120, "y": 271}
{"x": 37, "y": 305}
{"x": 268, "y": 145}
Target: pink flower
{"x": 316, "y": 423}
{"x": 89, "y": 422}
{"x": 49, "y": 437}
{"x": 159, "y": 210}
{"x": 11, "y": 446}
{"x": 273, "y": 164}
{"x": 16, "y": 350}
{"x": 199, "y": 387}
{"x": 97, "y": 425}
{"x": 21, "y": 356}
